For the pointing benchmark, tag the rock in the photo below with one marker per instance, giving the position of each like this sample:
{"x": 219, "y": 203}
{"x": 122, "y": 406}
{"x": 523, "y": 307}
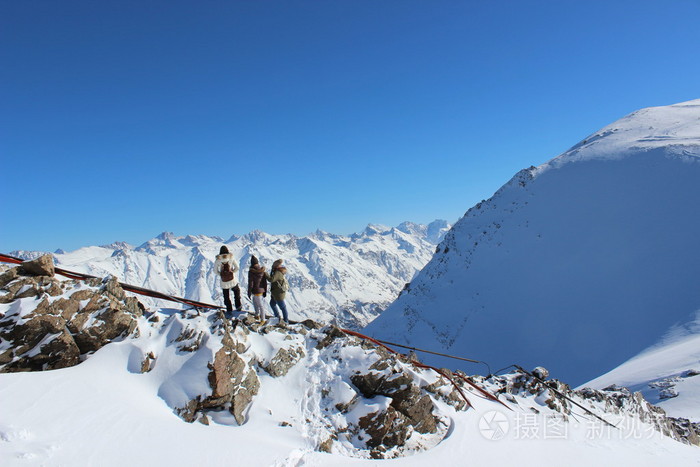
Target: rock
{"x": 326, "y": 446}
{"x": 418, "y": 409}
{"x": 410, "y": 408}
{"x": 110, "y": 324}
{"x": 385, "y": 428}
{"x": 541, "y": 373}
{"x": 227, "y": 373}
{"x": 284, "y": 360}
{"x": 57, "y": 332}
{"x": 42, "y": 266}
{"x": 234, "y": 383}
{"x": 332, "y": 333}
{"x": 373, "y": 384}
{"x": 112, "y": 287}
{"x": 40, "y": 343}
{"x": 244, "y": 396}
{"x": 189, "y": 412}
{"x": 148, "y": 363}
{"x": 311, "y": 324}
{"x": 8, "y": 276}
{"x": 668, "y": 393}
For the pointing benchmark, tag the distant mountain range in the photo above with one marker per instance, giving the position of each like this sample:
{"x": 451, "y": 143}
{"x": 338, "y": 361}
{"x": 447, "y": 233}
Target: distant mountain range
{"x": 333, "y": 278}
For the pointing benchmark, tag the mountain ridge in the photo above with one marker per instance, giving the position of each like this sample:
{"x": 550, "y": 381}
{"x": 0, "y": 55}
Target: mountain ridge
{"x": 333, "y": 278}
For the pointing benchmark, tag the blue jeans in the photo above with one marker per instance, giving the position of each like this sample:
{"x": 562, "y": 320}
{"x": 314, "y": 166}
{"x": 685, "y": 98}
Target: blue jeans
{"x": 274, "y": 303}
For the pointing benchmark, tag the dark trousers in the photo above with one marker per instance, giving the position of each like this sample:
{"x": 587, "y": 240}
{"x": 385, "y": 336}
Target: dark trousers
{"x": 236, "y": 298}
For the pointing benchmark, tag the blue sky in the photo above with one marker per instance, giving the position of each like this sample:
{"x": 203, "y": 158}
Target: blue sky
{"x": 120, "y": 120}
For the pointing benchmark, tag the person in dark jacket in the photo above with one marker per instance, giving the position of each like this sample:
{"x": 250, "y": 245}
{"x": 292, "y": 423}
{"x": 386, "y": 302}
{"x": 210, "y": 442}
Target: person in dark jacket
{"x": 278, "y": 289}
{"x": 257, "y": 286}
{"x": 227, "y": 267}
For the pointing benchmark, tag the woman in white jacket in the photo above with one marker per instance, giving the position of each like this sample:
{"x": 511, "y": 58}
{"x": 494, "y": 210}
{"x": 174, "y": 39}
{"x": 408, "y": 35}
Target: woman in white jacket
{"x": 227, "y": 267}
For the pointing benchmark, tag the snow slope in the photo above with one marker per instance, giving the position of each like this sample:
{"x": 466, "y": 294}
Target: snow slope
{"x": 578, "y": 264}
{"x": 348, "y": 279}
{"x": 107, "y": 411}
{"x": 667, "y": 374}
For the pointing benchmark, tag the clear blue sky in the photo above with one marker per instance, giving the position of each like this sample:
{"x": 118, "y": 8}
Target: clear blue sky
{"x": 123, "y": 119}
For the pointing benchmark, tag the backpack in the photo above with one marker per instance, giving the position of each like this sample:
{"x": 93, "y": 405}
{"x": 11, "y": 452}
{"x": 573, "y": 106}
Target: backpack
{"x": 226, "y": 273}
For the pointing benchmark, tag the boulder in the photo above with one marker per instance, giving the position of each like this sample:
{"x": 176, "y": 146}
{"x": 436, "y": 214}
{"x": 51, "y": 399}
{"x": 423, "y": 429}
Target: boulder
{"x": 42, "y": 266}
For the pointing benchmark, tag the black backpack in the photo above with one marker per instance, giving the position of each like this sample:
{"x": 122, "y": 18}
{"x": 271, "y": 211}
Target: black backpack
{"x": 226, "y": 273}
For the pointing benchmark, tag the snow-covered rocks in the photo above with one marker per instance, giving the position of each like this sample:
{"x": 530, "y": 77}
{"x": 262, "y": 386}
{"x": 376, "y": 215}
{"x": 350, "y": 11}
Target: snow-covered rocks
{"x": 47, "y": 324}
{"x": 612, "y": 408}
{"x": 362, "y": 400}
{"x": 278, "y": 394}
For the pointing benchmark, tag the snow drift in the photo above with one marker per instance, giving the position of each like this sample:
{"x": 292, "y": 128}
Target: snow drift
{"x": 578, "y": 264}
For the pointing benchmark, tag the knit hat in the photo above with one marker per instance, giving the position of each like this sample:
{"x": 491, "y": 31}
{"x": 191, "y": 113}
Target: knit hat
{"x": 253, "y": 260}
{"x": 223, "y": 250}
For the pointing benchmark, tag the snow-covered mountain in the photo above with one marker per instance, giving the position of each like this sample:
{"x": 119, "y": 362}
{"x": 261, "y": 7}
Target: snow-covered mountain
{"x": 578, "y": 264}
{"x": 332, "y": 278}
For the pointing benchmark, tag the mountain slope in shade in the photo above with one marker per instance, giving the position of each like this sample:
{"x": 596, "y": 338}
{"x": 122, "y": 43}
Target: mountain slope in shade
{"x": 668, "y": 373}
{"x": 578, "y": 264}
{"x": 332, "y": 278}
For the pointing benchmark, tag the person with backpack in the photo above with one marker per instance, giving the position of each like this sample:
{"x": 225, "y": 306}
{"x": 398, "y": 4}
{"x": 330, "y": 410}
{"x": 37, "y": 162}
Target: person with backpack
{"x": 226, "y": 266}
{"x": 278, "y": 289}
{"x": 257, "y": 287}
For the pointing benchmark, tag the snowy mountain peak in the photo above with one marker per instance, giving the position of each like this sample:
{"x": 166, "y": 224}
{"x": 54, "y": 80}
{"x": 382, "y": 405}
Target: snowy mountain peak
{"x": 113, "y": 246}
{"x": 674, "y": 128}
{"x": 578, "y": 264}
{"x": 374, "y": 229}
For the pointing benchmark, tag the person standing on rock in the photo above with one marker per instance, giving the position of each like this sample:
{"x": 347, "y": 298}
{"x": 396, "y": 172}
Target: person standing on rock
{"x": 257, "y": 286}
{"x": 278, "y": 289}
{"x": 226, "y": 267}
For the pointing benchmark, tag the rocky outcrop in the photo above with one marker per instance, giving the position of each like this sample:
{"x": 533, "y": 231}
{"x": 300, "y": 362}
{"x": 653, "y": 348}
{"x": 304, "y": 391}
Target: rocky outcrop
{"x": 411, "y": 408}
{"x": 50, "y": 324}
{"x": 233, "y": 382}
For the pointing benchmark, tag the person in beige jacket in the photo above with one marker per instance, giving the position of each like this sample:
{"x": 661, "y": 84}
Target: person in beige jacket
{"x": 227, "y": 267}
